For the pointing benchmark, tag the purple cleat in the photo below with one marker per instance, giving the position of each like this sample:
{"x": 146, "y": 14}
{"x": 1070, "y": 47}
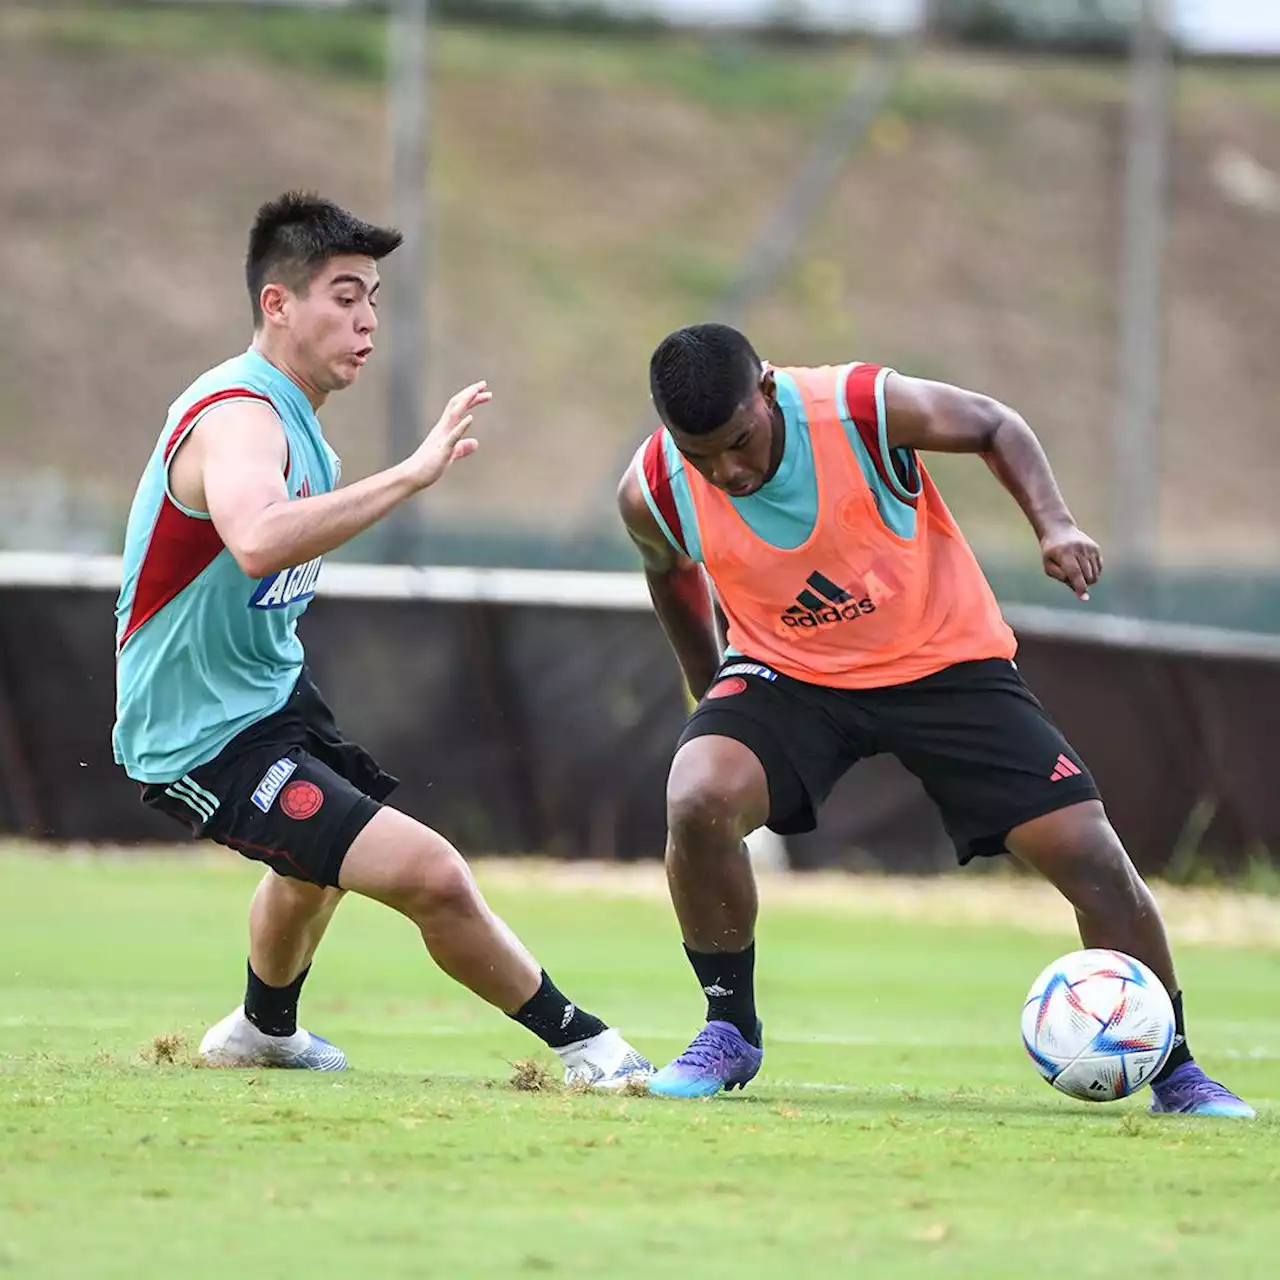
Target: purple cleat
{"x": 1189, "y": 1092}
{"x": 719, "y": 1058}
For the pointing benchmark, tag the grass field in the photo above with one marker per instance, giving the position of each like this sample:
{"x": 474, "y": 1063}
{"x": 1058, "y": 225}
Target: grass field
{"x": 897, "y": 1129}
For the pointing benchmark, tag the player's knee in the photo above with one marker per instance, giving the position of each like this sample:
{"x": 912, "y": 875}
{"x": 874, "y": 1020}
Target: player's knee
{"x": 1096, "y": 872}
{"x": 1105, "y": 876}
{"x": 717, "y": 792}
{"x": 1104, "y": 858}
{"x": 1121, "y": 881}
{"x": 705, "y": 813}
{"x": 451, "y": 886}
{"x": 441, "y": 884}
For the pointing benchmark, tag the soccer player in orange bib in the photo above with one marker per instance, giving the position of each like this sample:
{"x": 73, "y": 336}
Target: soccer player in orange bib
{"x": 859, "y": 622}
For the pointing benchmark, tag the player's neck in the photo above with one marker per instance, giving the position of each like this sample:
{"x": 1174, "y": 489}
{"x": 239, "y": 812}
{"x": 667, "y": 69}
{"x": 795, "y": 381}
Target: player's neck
{"x": 282, "y": 362}
{"x": 778, "y": 444}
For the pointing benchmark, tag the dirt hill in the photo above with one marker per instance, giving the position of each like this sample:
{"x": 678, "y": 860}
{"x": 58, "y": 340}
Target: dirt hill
{"x": 589, "y": 195}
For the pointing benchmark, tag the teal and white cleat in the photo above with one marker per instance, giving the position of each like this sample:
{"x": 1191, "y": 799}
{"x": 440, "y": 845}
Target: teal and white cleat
{"x": 236, "y": 1042}
{"x": 604, "y": 1061}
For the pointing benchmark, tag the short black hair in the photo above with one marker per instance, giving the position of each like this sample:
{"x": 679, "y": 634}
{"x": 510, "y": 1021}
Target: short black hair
{"x": 701, "y": 375}
{"x": 295, "y": 234}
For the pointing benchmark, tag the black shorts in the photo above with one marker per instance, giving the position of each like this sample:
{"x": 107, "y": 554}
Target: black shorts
{"x": 984, "y": 748}
{"x": 289, "y": 791}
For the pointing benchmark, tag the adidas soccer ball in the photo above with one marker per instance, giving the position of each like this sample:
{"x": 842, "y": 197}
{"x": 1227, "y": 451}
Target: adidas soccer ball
{"x": 1098, "y": 1025}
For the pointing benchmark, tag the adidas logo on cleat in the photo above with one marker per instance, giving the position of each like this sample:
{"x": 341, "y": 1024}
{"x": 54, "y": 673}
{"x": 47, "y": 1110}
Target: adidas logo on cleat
{"x": 822, "y": 603}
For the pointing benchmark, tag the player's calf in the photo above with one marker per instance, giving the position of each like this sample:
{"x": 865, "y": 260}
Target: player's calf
{"x": 287, "y": 919}
{"x": 420, "y": 874}
{"x": 1079, "y": 852}
{"x": 716, "y": 794}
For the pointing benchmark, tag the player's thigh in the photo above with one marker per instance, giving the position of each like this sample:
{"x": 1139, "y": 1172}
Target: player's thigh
{"x": 766, "y": 729}
{"x": 987, "y": 753}
{"x": 397, "y": 860}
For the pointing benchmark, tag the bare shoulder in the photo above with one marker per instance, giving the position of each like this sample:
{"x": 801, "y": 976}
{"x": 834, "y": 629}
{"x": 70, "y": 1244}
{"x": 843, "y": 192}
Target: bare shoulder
{"x": 904, "y": 392}
{"x": 923, "y": 414}
{"x": 249, "y": 428}
{"x": 658, "y": 554}
{"x": 244, "y": 434}
{"x": 631, "y": 501}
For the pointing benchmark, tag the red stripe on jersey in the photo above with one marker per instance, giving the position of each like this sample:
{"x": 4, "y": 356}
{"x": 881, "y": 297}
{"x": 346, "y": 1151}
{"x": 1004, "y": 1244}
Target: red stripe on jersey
{"x": 200, "y": 406}
{"x": 860, "y": 395}
{"x": 181, "y": 547}
{"x": 659, "y": 481}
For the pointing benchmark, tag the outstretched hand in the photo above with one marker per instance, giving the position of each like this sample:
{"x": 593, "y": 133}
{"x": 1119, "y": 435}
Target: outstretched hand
{"x": 448, "y": 441}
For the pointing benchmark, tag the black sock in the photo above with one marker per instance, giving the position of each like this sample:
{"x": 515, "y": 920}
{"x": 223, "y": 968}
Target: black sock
{"x": 273, "y": 1010}
{"x": 555, "y": 1019}
{"x": 728, "y": 982}
{"x": 1180, "y": 1054}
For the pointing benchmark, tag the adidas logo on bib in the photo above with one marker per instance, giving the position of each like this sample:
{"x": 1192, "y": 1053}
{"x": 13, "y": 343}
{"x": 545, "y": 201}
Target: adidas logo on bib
{"x": 822, "y": 604}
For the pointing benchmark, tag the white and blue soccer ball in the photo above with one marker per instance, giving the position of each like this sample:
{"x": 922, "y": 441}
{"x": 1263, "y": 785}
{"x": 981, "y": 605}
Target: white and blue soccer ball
{"x": 1098, "y": 1025}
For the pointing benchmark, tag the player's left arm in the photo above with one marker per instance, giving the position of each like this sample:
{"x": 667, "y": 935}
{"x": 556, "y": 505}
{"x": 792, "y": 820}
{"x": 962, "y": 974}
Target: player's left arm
{"x": 936, "y": 417}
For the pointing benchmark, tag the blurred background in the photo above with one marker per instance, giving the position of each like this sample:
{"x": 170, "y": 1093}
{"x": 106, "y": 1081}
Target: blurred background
{"x": 1073, "y": 205}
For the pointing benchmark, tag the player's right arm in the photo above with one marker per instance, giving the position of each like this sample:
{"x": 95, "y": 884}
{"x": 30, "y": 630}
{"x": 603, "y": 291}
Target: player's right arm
{"x": 233, "y": 464}
{"x": 677, "y": 587}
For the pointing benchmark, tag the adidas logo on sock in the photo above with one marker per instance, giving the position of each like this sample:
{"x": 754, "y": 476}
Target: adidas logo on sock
{"x": 569, "y": 1011}
{"x": 714, "y": 990}
{"x": 1065, "y": 769}
{"x": 822, "y": 603}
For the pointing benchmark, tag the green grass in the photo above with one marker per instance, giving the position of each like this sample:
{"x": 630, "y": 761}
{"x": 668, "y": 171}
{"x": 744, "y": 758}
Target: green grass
{"x": 897, "y": 1131}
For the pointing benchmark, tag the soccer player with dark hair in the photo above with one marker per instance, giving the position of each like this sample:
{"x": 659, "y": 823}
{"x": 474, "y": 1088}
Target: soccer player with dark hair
{"x": 216, "y": 715}
{"x": 859, "y": 622}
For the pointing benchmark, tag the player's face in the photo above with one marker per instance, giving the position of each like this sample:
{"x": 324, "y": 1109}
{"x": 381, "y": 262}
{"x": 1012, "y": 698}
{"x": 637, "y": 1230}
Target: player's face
{"x": 333, "y": 325}
{"x": 739, "y": 456}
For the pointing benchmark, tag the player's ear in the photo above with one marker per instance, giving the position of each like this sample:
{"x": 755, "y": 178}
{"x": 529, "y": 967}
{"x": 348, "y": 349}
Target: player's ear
{"x": 769, "y": 388}
{"x": 274, "y": 301}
